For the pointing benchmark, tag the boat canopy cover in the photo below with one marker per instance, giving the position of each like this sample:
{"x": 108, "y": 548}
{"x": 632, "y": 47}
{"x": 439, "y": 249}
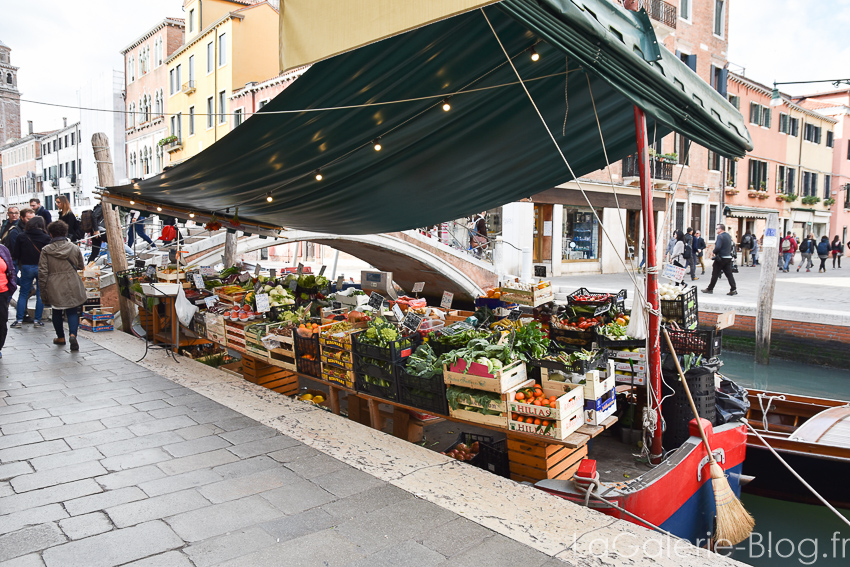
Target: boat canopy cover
{"x": 490, "y": 148}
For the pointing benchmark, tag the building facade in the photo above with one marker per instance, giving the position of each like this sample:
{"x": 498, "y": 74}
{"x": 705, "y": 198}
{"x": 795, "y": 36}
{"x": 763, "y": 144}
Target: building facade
{"x": 227, "y": 45}
{"x": 246, "y": 101}
{"x": 60, "y": 165}
{"x": 21, "y": 176}
{"x": 10, "y": 98}
{"x": 146, "y": 84}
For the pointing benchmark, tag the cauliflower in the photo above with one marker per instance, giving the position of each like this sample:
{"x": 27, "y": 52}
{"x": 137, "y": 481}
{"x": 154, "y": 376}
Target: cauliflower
{"x": 389, "y": 335}
{"x": 372, "y": 334}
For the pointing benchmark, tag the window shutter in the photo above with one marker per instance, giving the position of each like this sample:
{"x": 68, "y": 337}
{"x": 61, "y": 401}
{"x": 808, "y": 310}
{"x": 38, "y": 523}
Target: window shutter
{"x": 724, "y": 75}
{"x": 765, "y": 117}
{"x": 692, "y": 62}
{"x": 754, "y": 113}
{"x": 712, "y": 77}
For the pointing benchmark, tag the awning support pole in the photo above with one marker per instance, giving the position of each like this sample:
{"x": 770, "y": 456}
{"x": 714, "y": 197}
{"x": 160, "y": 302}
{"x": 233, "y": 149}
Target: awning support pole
{"x": 654, "y": 347}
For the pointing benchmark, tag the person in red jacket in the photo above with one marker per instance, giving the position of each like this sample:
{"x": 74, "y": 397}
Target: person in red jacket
{"x": 788, "y": 247}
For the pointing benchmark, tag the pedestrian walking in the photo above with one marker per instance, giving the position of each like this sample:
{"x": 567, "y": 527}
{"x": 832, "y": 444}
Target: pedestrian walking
{"x": 8, "y": 285}
{"x": 699, "y": 249}
{"x": 67, "y": 216}
{"x": 40, "y": 211}
{"x": 807, "y": 248}
{"x": 137, "y": 228}
{"x": 823, "y": 249}
{"x": 61, "y": 285}
{"x": 12, "y": 234}
{"x": 13, "y": 214}
{"x": 677, "y": 257}
{"x": 26, "y": 254}
{"x": 722, "y": 261}
{"x": 788, "y": 248}
{"x": 689, "y": 253}
{"x": 670, "y": 245}
{"x": 747, "y": 247}
{"x": 754, "y": 253}
{"x": 837, "y": 251}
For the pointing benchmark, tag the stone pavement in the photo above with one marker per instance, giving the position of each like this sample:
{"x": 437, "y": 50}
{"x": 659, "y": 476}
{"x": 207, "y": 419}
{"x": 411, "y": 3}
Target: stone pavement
{"x": 105, "y": 462}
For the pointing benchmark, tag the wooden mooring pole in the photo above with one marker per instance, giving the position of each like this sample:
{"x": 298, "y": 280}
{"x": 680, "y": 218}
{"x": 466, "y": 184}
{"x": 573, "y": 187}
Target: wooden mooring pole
{"x": 768, "y": 258}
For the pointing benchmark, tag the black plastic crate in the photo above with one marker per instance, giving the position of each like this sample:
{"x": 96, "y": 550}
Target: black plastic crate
{"x": 684, "y": 309}
{"x": 427, "y": 394}
{"x": 603, "y": 341}
{"x": 493, "y": 457}
{"x": 396, "y": 352}
{"x": 378, "y": 378}
{"x": 309, "y": 367}
{"x": 578, "y": 367}
{"x": 304, "y": 345}
{"x": 706, "y": 341}
{"x": 469, "y": 439}
{"x": 600, "y": 298}
{"x": 575, "y": 339}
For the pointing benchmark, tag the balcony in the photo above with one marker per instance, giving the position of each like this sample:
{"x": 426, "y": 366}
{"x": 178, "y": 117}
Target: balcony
{"x": 660, "y": 171}
{"x": 660, "y": 11}
{"x": 188, "y": 88}
{"x": 173, "y": 146}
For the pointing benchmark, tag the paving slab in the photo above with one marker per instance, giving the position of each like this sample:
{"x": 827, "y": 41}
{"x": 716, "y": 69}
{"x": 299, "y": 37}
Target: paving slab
{"x": 87, "y": 525}
{"x": 27, "y": 540}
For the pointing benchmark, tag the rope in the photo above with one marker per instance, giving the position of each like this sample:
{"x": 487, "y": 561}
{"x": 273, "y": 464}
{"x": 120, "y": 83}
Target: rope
{"x": 798, "y": 477}
{"x": 764, "y": 410}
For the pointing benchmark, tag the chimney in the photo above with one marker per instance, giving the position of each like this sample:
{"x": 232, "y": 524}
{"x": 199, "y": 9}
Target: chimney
{"x": 64, "y": 122}
{"x": 29, "y": 126}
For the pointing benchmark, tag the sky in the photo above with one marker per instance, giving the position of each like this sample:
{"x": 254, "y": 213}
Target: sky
{"x": 59, "y": 44}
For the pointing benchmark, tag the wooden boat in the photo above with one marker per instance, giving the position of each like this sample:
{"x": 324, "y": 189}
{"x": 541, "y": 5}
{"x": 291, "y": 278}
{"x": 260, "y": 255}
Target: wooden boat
{"x": 811, "y": 434}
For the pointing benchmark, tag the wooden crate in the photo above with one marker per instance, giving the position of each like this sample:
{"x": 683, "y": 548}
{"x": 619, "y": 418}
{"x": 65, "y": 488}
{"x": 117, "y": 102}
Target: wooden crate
{"x": 282, "y": 359}
{"x": 271, "y": 377}
{"x": 172, "y": 277}
{"x": 477, "y": 378}
{"x": 531, "y": 461}
{"x": 560, "y": 429}
{"x": 500, "y": 420}
{"x": 533, "y": 298}
{"x": 457, "y": 315}
{"x": 566, "y": 403}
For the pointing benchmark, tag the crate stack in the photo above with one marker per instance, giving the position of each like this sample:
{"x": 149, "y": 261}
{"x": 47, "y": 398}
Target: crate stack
{"x": 600, "y": 396}
{"x": 97, "y": 319}
{"x": 533, "y": 295}
{"x": 425, "y": 393}
{"x": 234, "y": 333}
{"x": 91, "y": 281}
{"x": 282, "y": 347}
{"x": 684, "y": 310}
{"x": 337, "y": 358}
{"x": 492, "y": 455}
{"x": 377, "y": 369}
{"x": 261, "y": 373}
{"x": 474, "y": 376}
{"x": 216, "y": 332}
{"x": 253, "y": 343}
{"x": 307, "y": 353}
{"x": 559, "y": 414}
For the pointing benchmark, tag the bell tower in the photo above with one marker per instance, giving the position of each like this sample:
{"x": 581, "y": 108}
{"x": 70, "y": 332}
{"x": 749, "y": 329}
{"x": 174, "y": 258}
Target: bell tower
{"x": 10, "y": 98}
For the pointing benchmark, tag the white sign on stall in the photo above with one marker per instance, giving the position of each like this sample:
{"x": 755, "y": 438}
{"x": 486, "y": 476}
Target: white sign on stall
{"x": 262, "y": 300}
{"x": 672, "y": 272}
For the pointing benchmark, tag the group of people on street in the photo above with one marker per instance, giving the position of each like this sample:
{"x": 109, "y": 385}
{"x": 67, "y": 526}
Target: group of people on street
{"x": 684, "y": 250}
{"x": 809, "y": 247}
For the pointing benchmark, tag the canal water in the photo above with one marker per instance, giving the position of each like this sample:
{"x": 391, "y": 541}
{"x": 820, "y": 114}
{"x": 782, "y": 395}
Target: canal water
{"x": 787, "y": 533}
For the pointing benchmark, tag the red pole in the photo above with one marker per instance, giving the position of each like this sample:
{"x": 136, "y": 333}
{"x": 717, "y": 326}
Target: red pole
{"x": 651, "y": 280}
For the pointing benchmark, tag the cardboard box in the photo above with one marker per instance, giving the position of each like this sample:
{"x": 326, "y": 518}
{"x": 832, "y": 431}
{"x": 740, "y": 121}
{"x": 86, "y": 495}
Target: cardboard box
{"x": 96, "y": 328}
{"x": 639, "y": 380}
{"x": 99, "y": 314}
{"x": 630, "y": 366}
{"x": 622, "y": 355}
{"x": 598, "y": 387}
{"x": 600, "y": 412}
{"x": 602, "y": 402}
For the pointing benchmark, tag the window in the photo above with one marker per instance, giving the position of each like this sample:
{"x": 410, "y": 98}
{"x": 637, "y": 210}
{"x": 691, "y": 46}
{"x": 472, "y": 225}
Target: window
{"x": 794, "y": 126}
{"x": 759, "y": 115}
{"x": 131, "y": 76}
{"x": 237, "y": 117}
{"x": 757, "y": 175}
{"x": 683, "y": 146}
{"x": 713, "y": 161}
{"x": 680, "y": 216}
{"x": 811, "y": 133}
{"x": 688, "y": 59}
{"x": 790, "y": 184}
{"x": 60, "y": 142}
{"x": 222, "y": 50}
{"x": 72, "y": 138}
{"x": 719, "y": 17}
{"x": 191, "y": 20}
{"x": 718, "y": 79}
{"x": 696, "y": 217}
{"x": 178, "y": 73}
{"x": 173, "y": 125}
{"x": 158, "y": 158}
{"x": 810, "y": 184}
{"x": 171, "y": 81}
{"x": 266, "y": 101}
{"x": 222, "y": 107}
{"x": 67, "y": 137}
{"x": 783, "y": 123}
{"x": 780, "y": 178}
{"x": 210, "y": 57}
{"x": 61, "y": 170}
{"x": 180, "y": 127}
{"x": 191, "y": 71}
{"x": 732, "y": 173}
{"x": 685, "y": 9}
{"x": 736, "y": 101}
{"x": 827, "y": 186}
{"x": 830, "y": 139}
{"x": 191, "y": 120}
{"x": 210, "y": 112}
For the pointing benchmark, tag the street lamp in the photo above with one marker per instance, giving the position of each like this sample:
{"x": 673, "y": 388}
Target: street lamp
{"x": 776, "y": 98}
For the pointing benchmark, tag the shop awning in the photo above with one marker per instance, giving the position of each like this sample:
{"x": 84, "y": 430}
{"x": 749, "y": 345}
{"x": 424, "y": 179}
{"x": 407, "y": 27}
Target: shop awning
{"x": 802, "y": 215}
{"x": 488, "y": 150}
{"x": 747, "y": 212}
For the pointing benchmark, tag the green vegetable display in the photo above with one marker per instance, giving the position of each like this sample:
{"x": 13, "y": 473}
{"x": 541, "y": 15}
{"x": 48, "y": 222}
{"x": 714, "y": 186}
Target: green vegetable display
{"x": 424, "y": 362}
{"x": 462, "y": 398}
{"x": 383, "y": 334}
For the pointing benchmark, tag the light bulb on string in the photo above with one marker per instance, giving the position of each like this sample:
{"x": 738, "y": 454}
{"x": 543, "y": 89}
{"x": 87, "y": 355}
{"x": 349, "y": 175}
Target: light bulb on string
{"x": 534, "y": 55}
{"x": 269, "y": 197}
{"x": 378, "y": 145}
{"x": 191, "y": 215}
{"x": 446, "y": 105}
{"x": 132, "y": 202}
{"x": 159, "y": 209}
{"x": 319, "y": 175}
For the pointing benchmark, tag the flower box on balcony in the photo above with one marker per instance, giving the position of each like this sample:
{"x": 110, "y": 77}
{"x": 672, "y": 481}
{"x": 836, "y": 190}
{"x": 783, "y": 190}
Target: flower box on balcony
{"x": 731, "y": 191}
{"x": 763, "y": 195}
{"x": 780, "y": 198}
{"x": 753, "y": 193}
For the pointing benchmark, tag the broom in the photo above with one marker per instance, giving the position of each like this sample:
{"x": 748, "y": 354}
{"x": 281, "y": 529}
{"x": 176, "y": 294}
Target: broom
{"x": 734, "y": 523}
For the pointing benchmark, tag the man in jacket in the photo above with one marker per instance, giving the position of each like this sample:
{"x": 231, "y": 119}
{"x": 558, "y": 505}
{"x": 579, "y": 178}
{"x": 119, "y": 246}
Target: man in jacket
{"x": 722, "y": 261}
{"x": 699, "y": 247}
{"x": 12, "y": 217}
{"x": 788, "y": 247}
{"x": 807, "y": 248}
{"x": 11, "y": 236}
{"x": 691, "y": 259}
{"x": 746, "y": 247}
{"x": 35, "y": 205}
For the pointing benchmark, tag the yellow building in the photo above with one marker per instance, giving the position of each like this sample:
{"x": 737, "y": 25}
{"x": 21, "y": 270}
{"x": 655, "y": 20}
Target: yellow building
{"x": 226, "y": 45}
{"x": 809, "y": 171}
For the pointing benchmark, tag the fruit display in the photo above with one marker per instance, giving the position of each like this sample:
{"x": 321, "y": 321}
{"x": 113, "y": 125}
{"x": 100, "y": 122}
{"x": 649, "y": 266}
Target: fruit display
{"x": 463, "y": 452}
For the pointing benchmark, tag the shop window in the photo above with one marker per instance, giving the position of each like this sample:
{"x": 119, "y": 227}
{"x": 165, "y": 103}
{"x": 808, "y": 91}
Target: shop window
{"x": 581, "y": 234}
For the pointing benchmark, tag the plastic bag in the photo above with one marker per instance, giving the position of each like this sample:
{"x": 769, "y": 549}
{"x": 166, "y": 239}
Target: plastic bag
{"x": 731, "y": 402}
{"x": 184, "y": 308}
{"x": 637, "y": 322}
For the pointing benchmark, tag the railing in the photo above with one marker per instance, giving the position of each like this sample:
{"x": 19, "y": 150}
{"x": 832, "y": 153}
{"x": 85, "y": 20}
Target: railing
{"x": 658, "y": 169}
{"x": 173, "y": 145}
{"x": 660, "y": 11}
{"x": 189, "y": 87}
{"x": 459, "y": 236}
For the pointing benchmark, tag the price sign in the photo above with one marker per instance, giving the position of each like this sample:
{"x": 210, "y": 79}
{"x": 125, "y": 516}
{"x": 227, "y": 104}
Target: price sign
{"x": 207, "y": 271}
{"x": 199, "y": 281}
{"x": 602, "y": 309}
{"x": 336, "y": 305}
{"x": 322, "y": 271}
{"x": 446, "y": 302}
{"x": 140, "y": 263}
{"x": 449, "y": 331}
{"x": 412, "y": 321}
{"x": 672, "y": 272}
{"x": 163, "y": 260}
{"x": 376, "y": 300}
{"x": 257, "y": 287}
{"x": 418, "y": 287}
{"x": 262, "y": 300}
{"x": 726, "y": 319}
{"x": 300, "y": 269}
{"x": 151, "y": 271}
{"x": 293, "y": 284}
{"x": 514, "y": 315}
{"x": 210, "y": 301}
{"x": 273, "y": 274}
{"x": 463, "y": 326}
{"x": 339, "y": 281}
{"x": 244, "y": 277}
{"x": 257, "y": 269}
{"x": 399, "y": 316}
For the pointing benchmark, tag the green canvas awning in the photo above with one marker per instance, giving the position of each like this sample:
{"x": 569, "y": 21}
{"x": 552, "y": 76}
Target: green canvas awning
{"x": 488, "y": 150}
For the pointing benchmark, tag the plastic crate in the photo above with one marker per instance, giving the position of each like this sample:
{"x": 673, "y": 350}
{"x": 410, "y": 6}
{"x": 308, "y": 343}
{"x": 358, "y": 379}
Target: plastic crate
{"x": 684, "y": 309}
{"x": 427, "y": 394}
{"x": 706, "y": 341}
{"x": 600, "y": 360}
{"x": 304, "y": 345}
{"x": 572, "y": 338}
{"x": 309, "y": 367}
{"x": 492, "y": 455}
{"x": 603, "y": 341}
{"x": 368, "y": 371}
{"x": 599, "y": 298}
{"x": 394, "y": 353}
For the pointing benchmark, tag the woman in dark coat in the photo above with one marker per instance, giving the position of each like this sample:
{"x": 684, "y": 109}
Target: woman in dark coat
{"x": 67, "y": 216}
{"x": 837, "y": 251}
{"x": 823, "y": 252}
{"x": 26, "y": 253}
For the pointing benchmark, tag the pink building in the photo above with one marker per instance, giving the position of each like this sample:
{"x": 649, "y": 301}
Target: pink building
{"x": 254, "y": 96}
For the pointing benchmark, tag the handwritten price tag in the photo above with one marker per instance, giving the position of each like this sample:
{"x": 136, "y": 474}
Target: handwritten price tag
{"x": 210, "y": 301}
{"x": 262, "y": 300}
{"x": 376, "y": 300}
{"x": 397, "y": 312}
{"x": 446, "y": 302}
{"x": 412, "y": 321}
{"x": 207, "y": 271}
{"x": 418, "y": 287}
{"x": 514, "y": 315}
{"x": 199, "y": 281}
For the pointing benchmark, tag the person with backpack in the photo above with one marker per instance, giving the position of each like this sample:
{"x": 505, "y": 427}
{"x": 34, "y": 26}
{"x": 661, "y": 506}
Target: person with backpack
{"x": 746, "y": 248}
{"x": 837, "y": 251}
{"x": 689, "y": 253}
{"x": 823, "y": 249}
{"x": 67, "y": 216}
{"x": 807, "y": 248}
{"x": 754, "y": 253}
{"x": 787, "y": 249}
{"x": 26, "y": 255}
{"x": 699, "y": 248}
{"x": 722, "y": 253}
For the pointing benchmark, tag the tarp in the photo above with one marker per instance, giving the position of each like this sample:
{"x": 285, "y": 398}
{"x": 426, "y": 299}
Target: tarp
{"x": 748, "y": 212}
{"x": 488, "y": 150}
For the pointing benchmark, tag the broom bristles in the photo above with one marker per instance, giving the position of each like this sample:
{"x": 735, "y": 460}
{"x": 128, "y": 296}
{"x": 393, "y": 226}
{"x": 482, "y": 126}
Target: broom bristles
{"x": 734, "y": 523}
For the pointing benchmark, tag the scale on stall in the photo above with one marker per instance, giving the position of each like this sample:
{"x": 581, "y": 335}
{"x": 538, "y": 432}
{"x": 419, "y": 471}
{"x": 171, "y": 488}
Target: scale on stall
{"x": 382, "y": 282}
